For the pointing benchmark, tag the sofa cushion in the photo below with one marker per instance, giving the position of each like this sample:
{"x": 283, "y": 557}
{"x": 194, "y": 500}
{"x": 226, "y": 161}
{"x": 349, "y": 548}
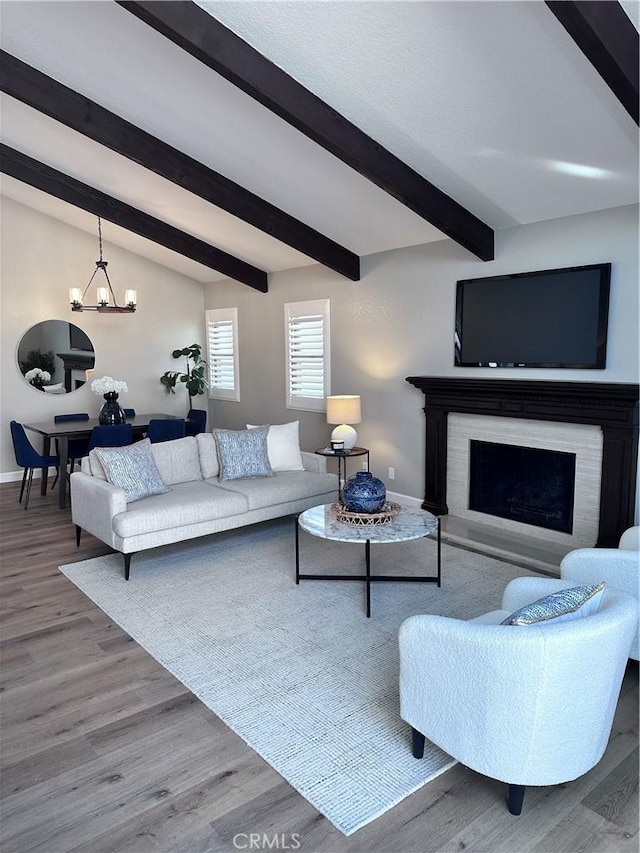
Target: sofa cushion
{"x": 560, "y": 606}
{"x": 283, "y": 446}
{"x": 95, "y": 466}
{"x": 283, "y": 487}
{"x": 133, "y": 469}
{"x": 186, "y": 503}
{"x": 242, "y": 453}
{"x": 208, "y": 454}
{"x": 177, "y": 460}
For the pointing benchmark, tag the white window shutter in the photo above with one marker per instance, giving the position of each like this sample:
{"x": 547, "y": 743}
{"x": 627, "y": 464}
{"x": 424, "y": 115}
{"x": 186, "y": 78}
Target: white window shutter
{"x": 307, "y": 336}
{"x": 222, "y": 353}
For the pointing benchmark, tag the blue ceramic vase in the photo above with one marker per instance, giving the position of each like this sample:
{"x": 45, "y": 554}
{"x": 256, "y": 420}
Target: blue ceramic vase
{"x": 364, "y": 493}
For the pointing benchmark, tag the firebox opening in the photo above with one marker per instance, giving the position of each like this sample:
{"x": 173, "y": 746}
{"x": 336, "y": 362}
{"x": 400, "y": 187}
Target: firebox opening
{"x": 525, "y": 484}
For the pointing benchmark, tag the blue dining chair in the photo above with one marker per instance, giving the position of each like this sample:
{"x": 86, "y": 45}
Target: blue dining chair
{"x": 129, "y": 413}
{"x": 111, "y": 435}
{"x": 165, "y": 429}
{"x": 28, "y": 458}
{"x": 78, "y": 447}
{"x": 199, "y": 418}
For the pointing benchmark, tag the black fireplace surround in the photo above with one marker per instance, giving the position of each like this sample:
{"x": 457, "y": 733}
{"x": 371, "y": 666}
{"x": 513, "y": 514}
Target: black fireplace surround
{"x": 612, "y": 406}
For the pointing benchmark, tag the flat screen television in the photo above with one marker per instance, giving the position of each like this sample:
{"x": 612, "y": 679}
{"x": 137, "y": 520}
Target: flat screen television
{"x": 550, "y": 318}
{"x": 78, "y": 339}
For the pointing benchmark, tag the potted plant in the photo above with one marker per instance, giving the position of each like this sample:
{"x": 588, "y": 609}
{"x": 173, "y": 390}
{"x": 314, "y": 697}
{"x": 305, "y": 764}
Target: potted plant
{"x": 194, "y": 379}
{"x": 42, "y": 360}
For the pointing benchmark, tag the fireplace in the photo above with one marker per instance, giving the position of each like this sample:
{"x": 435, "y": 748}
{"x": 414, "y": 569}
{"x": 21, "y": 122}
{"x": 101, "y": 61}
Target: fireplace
{"x": 580, "y": 443}
{"x": 523, "y": 484}
{"x": 607, "y": 412}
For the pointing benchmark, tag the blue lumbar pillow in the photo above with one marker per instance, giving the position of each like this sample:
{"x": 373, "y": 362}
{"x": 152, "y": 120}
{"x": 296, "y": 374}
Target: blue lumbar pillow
{"x": 561, "y": 606}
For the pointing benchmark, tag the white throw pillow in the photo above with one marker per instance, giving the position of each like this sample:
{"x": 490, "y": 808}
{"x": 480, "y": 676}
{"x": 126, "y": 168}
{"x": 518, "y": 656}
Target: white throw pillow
{"x": 283, "y": 446}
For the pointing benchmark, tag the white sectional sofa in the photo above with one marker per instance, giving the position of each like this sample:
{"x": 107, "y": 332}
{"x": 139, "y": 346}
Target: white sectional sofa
{"x": 197, "y": 502}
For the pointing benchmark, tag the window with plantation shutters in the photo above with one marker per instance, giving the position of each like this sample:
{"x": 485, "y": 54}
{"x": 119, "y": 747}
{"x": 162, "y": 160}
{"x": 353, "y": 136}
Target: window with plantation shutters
{"x": 222, "y": 353}
{"x": 307, "y": 353}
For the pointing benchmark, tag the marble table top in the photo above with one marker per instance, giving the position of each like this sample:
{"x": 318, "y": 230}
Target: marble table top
{"x": 408, "y": 524}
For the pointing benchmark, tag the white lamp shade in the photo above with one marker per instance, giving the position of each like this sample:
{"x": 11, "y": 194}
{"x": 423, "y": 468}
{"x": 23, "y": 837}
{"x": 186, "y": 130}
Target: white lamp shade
{"x": 103, "y": 296}
{"x": 75, "y": 296}
{"x": 130, "y": 297}
{"x": 343, "y": 409}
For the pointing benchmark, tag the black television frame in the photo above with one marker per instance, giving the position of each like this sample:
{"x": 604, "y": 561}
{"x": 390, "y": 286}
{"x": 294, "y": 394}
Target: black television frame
{"x": 77, "y": 342}
{"x": 602, "y": 321}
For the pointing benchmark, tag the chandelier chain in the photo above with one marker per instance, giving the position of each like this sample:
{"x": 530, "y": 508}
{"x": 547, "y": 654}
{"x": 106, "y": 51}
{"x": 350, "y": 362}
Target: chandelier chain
{"x": 100, "y": 236}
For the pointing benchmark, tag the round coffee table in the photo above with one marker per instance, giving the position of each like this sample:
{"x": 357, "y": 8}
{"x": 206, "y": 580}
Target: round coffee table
{"x": 409, "y": 524}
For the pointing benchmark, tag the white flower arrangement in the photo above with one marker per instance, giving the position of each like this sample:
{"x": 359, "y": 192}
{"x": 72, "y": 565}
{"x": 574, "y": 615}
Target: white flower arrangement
{"x": 36, "y": 376}
{"x": 108, "y": 385}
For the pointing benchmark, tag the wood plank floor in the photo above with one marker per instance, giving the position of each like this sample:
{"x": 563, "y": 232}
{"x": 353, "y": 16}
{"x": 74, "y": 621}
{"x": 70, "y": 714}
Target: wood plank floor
{"x": 103, "y": 750}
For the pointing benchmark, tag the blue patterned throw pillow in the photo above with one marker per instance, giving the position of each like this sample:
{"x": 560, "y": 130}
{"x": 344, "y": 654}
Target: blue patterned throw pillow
{"x": 133, "y": 469}
{"x": 561, "y": 606}
{"x": 243, "y": 453}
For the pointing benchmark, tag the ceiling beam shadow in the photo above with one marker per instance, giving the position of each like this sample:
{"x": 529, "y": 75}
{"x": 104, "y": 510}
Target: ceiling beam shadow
{"x": 209, "y": 41}
{"x": 605, "y": 34}
{"x": 79, "y": 113}
{"x": 55, "y": 183}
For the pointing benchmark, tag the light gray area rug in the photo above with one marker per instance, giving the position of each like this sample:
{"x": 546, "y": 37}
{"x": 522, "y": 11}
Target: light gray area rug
{"x": 298, "y": 672}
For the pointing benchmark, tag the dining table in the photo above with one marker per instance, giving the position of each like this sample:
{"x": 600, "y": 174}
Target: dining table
{"x": 62, "y": 432}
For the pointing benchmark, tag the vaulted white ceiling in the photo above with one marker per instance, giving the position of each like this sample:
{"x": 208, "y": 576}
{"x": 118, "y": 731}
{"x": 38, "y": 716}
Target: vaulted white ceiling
{"x": 490, "y": 101}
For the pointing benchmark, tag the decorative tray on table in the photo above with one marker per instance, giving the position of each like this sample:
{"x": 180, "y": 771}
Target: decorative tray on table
{"x": 388, "y": 512}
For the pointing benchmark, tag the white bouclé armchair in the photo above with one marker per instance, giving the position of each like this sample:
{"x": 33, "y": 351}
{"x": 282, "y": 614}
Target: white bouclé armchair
{"x": 619, "y": 567}
{"x": 525, "y": 704}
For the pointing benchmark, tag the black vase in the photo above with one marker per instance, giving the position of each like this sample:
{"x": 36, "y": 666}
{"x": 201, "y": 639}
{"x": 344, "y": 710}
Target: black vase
{"x": 111, "y": 413}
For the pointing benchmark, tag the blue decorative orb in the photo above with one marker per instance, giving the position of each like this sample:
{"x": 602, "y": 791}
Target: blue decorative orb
{"x": 364, "y": 493}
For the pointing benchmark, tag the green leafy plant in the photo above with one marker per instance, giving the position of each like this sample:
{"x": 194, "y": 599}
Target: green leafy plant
{"x": 37, "y": 358}
{"x": 194, "y": 379}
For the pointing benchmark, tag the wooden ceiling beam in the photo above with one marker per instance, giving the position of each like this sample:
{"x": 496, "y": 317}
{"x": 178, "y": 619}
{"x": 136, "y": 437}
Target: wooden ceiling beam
{"x": 607, "y": 37}
{"x": 55, "y": 183}
{"x": 79, "y": 113}
{"x": 193, "y": 29}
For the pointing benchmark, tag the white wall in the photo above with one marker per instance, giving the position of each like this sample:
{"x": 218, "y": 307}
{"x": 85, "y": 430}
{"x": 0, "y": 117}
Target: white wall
{"x": 398, "y": 321}
{"x": 41, "y": 259}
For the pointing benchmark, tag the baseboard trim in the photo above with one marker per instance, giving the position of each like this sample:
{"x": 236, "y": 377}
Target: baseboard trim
{"x": 16, "y": 476}
{"x": 405, "y": 500}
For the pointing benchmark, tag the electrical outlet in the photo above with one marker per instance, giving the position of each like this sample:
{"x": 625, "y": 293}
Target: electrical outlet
{"x": 363, "y": 463}
{"x": 392, "y": 473}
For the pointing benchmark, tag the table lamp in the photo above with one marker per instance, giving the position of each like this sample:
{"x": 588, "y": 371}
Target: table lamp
{"x": 344, "y": 409}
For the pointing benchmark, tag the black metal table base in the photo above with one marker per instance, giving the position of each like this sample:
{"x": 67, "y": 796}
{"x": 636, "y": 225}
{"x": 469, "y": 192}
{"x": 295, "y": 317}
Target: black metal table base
{"x": 368, "y": 578}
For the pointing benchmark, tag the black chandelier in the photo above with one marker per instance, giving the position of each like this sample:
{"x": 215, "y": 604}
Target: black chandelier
{"x": 104, "y": 294}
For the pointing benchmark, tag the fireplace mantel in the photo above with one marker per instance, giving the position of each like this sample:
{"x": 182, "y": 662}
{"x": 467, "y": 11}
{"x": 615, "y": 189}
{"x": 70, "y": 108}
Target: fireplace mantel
{"x": 611, "y": 405}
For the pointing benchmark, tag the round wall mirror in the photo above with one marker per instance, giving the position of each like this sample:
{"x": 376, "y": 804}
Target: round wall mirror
{"x": 54, "y": 356}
